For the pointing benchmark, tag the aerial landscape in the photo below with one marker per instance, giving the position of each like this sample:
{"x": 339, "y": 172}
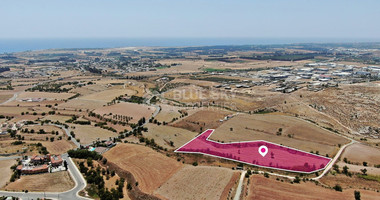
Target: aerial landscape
{"x": 179, "y": 105}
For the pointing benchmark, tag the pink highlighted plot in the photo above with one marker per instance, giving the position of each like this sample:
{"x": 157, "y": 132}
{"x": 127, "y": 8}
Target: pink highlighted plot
{"x": 269, "y": 155}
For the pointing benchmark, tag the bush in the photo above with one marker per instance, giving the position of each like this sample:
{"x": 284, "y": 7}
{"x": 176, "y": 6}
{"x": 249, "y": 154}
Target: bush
{"x": 357, "y": 195}
{"x": 338, "y": 188}
{"x": 297, "y": 180}
{"x": 84, "y": 154}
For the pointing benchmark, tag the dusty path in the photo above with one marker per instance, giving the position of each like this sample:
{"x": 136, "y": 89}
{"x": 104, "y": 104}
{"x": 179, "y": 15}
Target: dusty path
{"x": 15, "y": 95}
{"x": 240, "y": 186}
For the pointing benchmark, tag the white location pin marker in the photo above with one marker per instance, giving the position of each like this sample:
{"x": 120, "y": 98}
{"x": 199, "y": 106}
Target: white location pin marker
{"x": 263, "y": 150}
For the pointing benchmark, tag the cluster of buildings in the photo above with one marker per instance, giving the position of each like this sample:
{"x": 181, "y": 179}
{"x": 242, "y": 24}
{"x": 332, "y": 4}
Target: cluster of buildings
{"x": 313, "y": 76}
{"x": 33, "y": 99}
{"x": 40, "y": 164}
{"x": 30, "y": 72}
{"x": 10, "y": 126}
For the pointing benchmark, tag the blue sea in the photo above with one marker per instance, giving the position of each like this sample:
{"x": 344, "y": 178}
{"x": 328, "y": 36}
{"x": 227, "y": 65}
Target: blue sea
{"x": 18, "y": 45}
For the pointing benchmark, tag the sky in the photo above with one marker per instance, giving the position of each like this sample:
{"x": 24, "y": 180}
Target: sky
{"x": 189, "y": 19}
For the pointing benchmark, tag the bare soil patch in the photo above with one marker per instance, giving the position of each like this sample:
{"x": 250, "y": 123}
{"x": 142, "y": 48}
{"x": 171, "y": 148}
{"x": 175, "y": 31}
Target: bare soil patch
{"x": 162, "y": 135}
{"x": 359, "y": 153}
{"x": 269, "y": 188}
{"x": 88, "y": 133}
{"x": 150, "y": 168}
{"x": 197, "y": 183}
{"x": 52, "y": 182}
{"x": 202, "y": 120}
{"x": 46, "y": 95}
{"x": 6, "y": 171}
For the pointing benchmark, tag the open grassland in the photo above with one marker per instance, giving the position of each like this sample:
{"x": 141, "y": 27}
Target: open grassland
{"x": 237, "y": 99}
{"x": 198, "y": 183}
{"x": 12, "y": 110}
{"x": 295, "y": 133}
{"x": 163, "y": 135}
{"x": 356, "y": 106}
{"x": 88, "y": 133}
{"x": 47, "y": 95}
{"x": 202, "y": 120}
{"x": 350, "y": 182}
{"x": 358, "y": 168}
{"x": 5, "y": 97}
{"x": 6, "y": 172}
{"x": 6, "y": 147}
{"x": 48, "y": 182}
{"x": 108, "y": 95}
{"x": 55, "y": 118}
{"x": 150, "y": 168}
{"x": 200, "y": 65}
{"x": 167, "y": 113}
{"x": 58, "y": 146}
{"x": 137, "y": 111}
{"x": 262, "y": 188}
{"x": 359, "y": 153}
{"x": 82, "y": 104}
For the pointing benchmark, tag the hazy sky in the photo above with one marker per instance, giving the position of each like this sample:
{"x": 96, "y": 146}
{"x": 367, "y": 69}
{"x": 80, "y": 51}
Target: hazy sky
{"x": 189, "y": 18}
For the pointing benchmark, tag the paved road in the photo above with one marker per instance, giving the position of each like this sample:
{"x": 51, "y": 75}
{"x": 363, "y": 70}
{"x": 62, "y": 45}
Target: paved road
{"x": 329, "y": 166}
{"x": 240, "y": 186}
{"x": 67, "y": 131}
{"x": 80, "y": 184}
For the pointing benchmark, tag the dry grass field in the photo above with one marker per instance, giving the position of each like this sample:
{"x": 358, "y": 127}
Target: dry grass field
{"x": 47, "y": 95}
{"x": 262, "y": 188}
{"x": 59, "y": 146}
{"x": 5, "y": 97}
{"x": 151, "y": 169}
{"x": 202, "y": 120}
{"x": 236, "y": 99}
{"x": 7, "y": 148}
{"x": 137, "y": 111}
{"x": 49, "y": 182}
{"x": 359, "y": 153}
{"x": 199, "y": 65}
{"x": 350, "y": 182}
{"x": 88, "y": 133}
{"x": 295, "y": 133}
{"x": 12, "y": 110}
{"x": 197, "y": 183}
{"x": 194, "y": 82}
{"x": 55, "y": 118}
{"x": 356, "y": 105}
{"x": 162, "y": 135}
{"x": 47, "y": 128}
{"x": 82, "y": 104}
{"x": 108, "y": 95}
{"x": 167, "y": 113}
{"x": 357, "y": 168}
{"x": 6, "y": 171}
